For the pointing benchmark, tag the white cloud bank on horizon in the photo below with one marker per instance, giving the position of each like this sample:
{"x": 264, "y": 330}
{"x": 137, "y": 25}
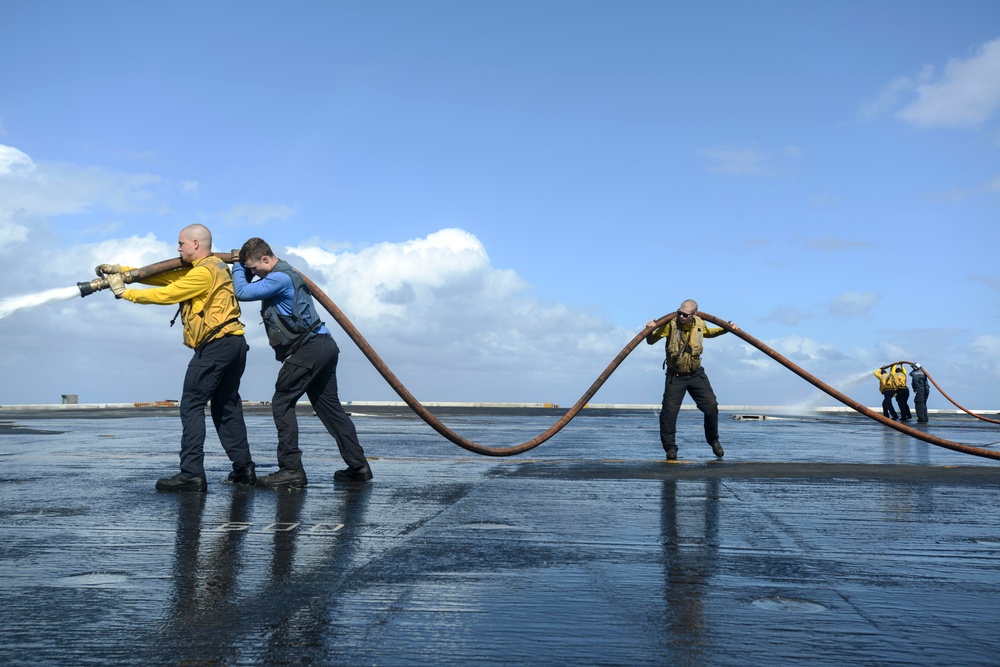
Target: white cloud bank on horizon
{"x": 453, "y": 326}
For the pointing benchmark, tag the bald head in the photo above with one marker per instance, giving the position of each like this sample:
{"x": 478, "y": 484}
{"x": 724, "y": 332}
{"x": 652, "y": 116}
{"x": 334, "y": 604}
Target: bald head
{"x": 194, "y": 242}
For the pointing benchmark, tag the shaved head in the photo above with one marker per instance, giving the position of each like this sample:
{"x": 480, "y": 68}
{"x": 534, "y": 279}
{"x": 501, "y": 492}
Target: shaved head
{"x": 194, "y": 242}
{"x": 199, "y": 233}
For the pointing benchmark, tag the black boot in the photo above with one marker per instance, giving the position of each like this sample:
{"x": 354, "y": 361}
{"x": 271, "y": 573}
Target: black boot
{"x": 361, "y": 473}
{"x": 284, "y": 479}
{"x": 717, "y": 449}
{"x": 246, "y": 475}
{"x": 183, "y": 482}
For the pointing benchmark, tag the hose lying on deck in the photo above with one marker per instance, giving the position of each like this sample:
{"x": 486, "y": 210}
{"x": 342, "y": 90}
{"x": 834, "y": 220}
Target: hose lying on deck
{"x": 433, "y": 422}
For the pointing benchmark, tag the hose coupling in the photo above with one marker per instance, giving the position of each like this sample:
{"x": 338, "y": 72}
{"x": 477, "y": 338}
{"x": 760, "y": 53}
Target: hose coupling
{"x": 97, "y": 284}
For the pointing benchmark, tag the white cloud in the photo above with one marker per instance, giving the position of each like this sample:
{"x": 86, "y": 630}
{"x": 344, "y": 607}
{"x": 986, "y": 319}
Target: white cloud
{"x": 439, "y": 302}
{"x": 53, "y": 188}
{"x": 787, "y": 315}
{"x": 836, "y": 244}
{"x": 751, "y": 160}
{"x": 256, "y": 214}
{"x": 965, "y": 95}
{"x": 893, "y": 94}
{"x": 852, "y": 305}
{"x": 737, "y": 161}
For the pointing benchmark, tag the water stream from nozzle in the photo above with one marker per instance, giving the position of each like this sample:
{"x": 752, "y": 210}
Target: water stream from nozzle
{"x": 15, "y": 303}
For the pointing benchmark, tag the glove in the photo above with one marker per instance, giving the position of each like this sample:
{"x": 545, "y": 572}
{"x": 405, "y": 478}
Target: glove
{"x": 116, "y": 283}
{"x": 105, "y": 269}
{"x": 234, "y": 255}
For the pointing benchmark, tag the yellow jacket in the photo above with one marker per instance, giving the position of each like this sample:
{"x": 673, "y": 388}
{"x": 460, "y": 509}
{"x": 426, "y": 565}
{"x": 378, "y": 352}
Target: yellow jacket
{"x": 684, "y": 343}
{"x": 885, "y": 380}
{"x": 209, "y": 309}
{"x": 898, "y": 376}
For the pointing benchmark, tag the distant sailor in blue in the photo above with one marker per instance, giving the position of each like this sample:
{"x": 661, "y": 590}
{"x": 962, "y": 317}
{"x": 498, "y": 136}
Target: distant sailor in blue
{"x": 309, "y": 363}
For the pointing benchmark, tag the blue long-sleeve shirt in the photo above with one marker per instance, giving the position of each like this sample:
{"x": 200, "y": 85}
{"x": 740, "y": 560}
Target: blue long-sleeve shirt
{"x": 276, "y": 286}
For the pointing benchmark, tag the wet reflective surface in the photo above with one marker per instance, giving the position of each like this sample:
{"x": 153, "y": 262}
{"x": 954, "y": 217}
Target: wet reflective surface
{"x": 823, "y": 539}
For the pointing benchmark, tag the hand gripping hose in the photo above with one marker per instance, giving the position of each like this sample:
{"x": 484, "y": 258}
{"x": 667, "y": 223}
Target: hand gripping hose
{"x": 433, "y": 422}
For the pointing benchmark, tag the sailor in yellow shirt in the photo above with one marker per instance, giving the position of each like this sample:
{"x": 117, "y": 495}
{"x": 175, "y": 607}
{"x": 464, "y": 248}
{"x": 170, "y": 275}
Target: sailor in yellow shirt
{"x": 210, "y": 314}
{"x": 685, "y": 375}
{"x": 902, "y": 392}
{"x": 887, "y": 385}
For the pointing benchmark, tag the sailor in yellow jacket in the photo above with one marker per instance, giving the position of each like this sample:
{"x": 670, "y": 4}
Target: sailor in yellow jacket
{"x": 902, "y": 392}
{"x": 887, "y": 385}
{"x": 210, "y": 314}
{"x": 685, "y": 375}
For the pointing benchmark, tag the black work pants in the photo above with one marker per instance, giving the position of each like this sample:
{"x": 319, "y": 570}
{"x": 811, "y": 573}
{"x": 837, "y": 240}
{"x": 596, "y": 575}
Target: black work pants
{"x": 214, "y": 374}
{"x": 902, "y": 395}
{"x": 700, "y": 389}
{"x": 312, "y": 370}
{"x": 887, "y": 409}
{"x": 920, "y": 403}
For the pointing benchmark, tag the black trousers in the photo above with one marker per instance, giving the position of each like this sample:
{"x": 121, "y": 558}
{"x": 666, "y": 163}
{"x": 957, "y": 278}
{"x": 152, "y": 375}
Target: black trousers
{"x": 312, "y": 370}
{"x": 901, "y": 397}
{"x": 214, "y": 374}
{"x": 700, "y": 389}
{"x": 920, "y": 403}
{"x": 887, "y": 409}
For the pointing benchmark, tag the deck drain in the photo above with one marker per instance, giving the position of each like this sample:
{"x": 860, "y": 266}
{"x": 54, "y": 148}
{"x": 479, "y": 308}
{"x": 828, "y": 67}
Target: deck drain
{"x": 779, "y": 603}
{"x": 92, "y": 580}
{"x": 490, "y": 525}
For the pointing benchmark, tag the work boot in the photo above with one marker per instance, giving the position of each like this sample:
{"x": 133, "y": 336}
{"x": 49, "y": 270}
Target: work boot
{"x": 284, "y": 479}
{"x": 361, "y": 473}
{"x": 246, "y": 475}
{"x": 183, "y": 482}
{"x": 672, "y": 454}
{"x": 717, "y": 449}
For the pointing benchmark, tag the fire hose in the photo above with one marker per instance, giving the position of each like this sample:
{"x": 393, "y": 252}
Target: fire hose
{"x": 135, "y": 275}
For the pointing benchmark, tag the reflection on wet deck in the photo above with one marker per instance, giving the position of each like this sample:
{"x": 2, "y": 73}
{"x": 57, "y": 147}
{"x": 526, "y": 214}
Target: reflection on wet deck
{"x": 591, "y": 552}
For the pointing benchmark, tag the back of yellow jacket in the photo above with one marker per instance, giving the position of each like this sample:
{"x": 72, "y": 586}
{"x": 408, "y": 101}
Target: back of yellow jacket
{"x": 885, "y": 381}
{"x": 898, "y": 377}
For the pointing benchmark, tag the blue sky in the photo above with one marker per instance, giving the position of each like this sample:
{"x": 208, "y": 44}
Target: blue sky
{"x": 501, "y": 194}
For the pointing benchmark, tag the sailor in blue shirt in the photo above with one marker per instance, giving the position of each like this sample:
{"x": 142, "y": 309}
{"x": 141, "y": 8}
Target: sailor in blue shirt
{"x": 309, "y": 363}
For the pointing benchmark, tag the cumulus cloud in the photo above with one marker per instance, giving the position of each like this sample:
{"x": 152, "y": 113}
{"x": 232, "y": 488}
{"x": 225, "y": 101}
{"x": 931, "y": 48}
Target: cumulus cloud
{"x": 964, "y": 95}
{"x": 439, "y": 301}
{"x": 33, "y": 192}
{"x": 852, "y": 305}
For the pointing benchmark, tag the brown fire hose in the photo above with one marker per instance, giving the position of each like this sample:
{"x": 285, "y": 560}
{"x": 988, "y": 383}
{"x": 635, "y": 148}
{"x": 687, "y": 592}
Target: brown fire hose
{"x": 950, "y": 399}
{"x": 432, "y": 421}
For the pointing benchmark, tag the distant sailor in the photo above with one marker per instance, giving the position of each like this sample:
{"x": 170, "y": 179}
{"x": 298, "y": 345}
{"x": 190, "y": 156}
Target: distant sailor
{"x": 309, "y": 363}
{"x": 902, "y": 392}
{"x": 921, "y": 388}
{"x": 887, "y": 385}
{"x": 685, "y": 375}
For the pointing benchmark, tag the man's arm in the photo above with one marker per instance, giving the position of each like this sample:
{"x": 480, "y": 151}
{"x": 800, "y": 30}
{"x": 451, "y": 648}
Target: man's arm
{"x": 194, "y": 282}
{"x": 275, "y": 285}
{"x": 656, "y": 334}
